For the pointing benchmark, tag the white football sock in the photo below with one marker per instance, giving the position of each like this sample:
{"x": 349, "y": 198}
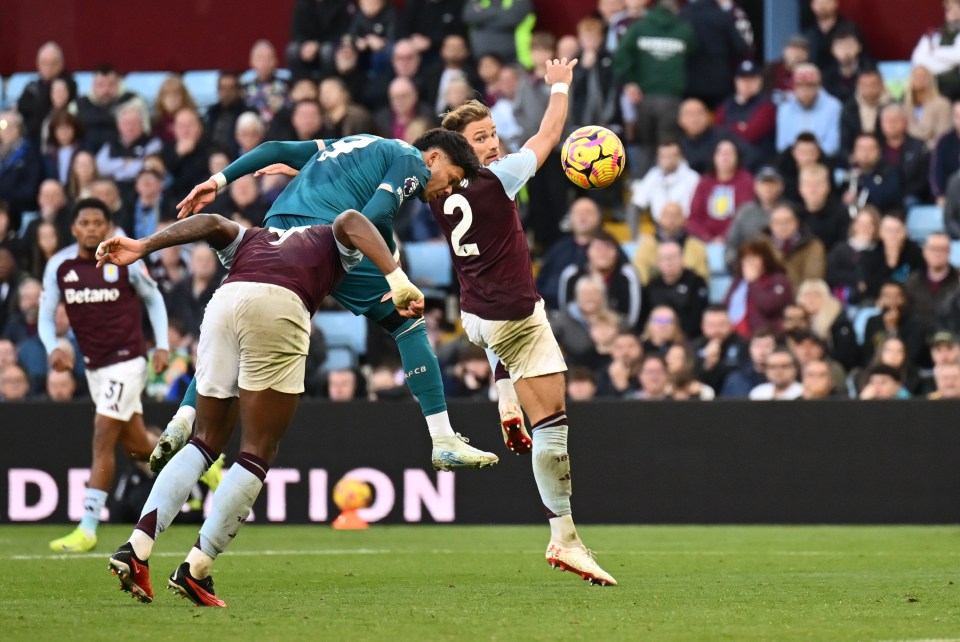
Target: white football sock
{"x": 439, "y": 425}
{"x": 231, "y": 504}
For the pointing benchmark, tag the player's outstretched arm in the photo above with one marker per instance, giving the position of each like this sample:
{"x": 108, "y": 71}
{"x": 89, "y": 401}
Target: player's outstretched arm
{"x": 212, "y": 228}
{"x": 354, "y": 231}
{"x": 558, "y": 77}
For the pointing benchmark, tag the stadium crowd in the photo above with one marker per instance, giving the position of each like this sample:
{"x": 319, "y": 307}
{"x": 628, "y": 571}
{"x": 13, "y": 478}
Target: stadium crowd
{"x": 757, "y": 246}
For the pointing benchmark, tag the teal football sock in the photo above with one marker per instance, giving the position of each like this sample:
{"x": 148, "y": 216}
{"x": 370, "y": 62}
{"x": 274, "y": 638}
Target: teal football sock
{"x": 420, "y": 365}
{"x": 190, "y": 396}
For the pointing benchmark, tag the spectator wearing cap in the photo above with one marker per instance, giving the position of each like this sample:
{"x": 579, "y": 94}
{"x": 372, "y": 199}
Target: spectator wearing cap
{"x": 908, "y": 154}
{"x": 811, "y": 109}
{"x": 671, "y": 180}
{"x": 938, "y": 51}
{"x": 848, "y": 62}
{"x": 778, "y": 75}
{"x": 749, "y": 115}
{"x": 883, "y": 382}
{"x": 931, "y": 288}
{"x": 827, "y": 24}
{"x": 823, "y": 212}
{"x": 753, "y": 217}
{"x": 870, "y": 181}
{"x": 861, "y": 111}
{"x": 807, "y": 347}
{"x": 944, "y": 350}
{"x": 719, "y": 46}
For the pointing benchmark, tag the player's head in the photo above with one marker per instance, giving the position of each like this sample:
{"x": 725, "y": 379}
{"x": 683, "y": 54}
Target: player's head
{"x": 472, "y": 119}
{"x": 450, "y": 159}
{"x": 91, "y": 223}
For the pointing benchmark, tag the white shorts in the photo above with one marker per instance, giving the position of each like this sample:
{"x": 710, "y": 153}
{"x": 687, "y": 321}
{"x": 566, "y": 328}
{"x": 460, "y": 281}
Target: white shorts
{"x": 526, "y": 348}
{"x": 253, "y": 336}
{"x": 116, "y": 388}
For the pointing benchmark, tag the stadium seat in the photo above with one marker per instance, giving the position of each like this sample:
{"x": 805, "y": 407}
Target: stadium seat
{"x": 955, "y": 253}
{"x": 924, "y": 220}
{"x": 15, "y": 85}
{"x": 84, "y": 80}
{"x": 202, "y": 85}
{"x": 860, "y": 322}
{"x": 629, "y": 248}
{"x": 719, "y": 284}
{"x": 146, "y": 84}
{"x": 896, "y": 75}
{"x": 429, "y": 264}
{"x": 715, "y": 258}
{"x": 345, "y": 336}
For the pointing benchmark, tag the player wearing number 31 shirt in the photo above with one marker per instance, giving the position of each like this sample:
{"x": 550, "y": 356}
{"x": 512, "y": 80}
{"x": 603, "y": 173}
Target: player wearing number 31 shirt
{"x": 501, "y": 310}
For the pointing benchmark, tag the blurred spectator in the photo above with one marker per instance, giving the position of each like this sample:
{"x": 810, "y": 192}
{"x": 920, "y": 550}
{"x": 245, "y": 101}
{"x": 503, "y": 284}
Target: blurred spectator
{"x": 122, "y": 158}
{"x": 21, "y": 168}
{"x": 266, "y": 93}
{"x": 816, "y": 381}
{"x": 372, "y": 31}
{"x": 306, "y": 119}
{"x": 496, "y": 25}
{"x": 35, "y": 103}
{"x": 572, "y": 325}
{"x": 753, "y": 218}
{"x": 580, "y": 384}
{"x": 804, "y": 152}
{"x": 189, "y": 297}
{"x": 806, "y": 347}
{"x": 186, "y": 155}
{"x": 722, "y": 189}
{"x": 845, "y": 261}
{"x": 848, "y": 63}
{"x": 488, "y": 68}
{"x": 14, "y": 385}
{"x": 946, "y": 157}
{"x": 827, "y": 24}
{"x": 427, "y": 22}
{"x": 883, "y": 382}
{"x": 52, "y": 201}
{"x": 944, "y": 349}
{"x": 405, "y": 62}
{"x": 171, "y": 98}
{"x": 617, "y": 16}
{"x": 672, "y": 227}
{"x": 829, "y": 322}
{"x": 651, "y": 63}
{"x": 677, "y": 287}
{"x": 46, "y": 242}
{"x": 894, "y": 257}
{"x": 502, "y": 113}
{"x": 82, "y": 173}
{"x": 341, "y": 116}
{"x": 653, "y": 379}
{"x": 242, "y": 202}
{"x": 472, "y": 375}
{"x": 249, "y": 132}
{"x": 669, "y": 181}
{"x": 662, "y": 330}
{"x": 759, "y": 292}
{"x": 585, "y": 221}
{"x": 800, "y": 252}
{"x": 342, "y": 385}
{"x": 870, "y": 181}
{"x": 778, "y": 75}
{"x": 948, "y": 314}
{"x": 60, "y": 101}
{"x": 937, "y": 51}
{"x": 781, "y": 384}
{"x": 98, "y": 110}
{"x": 457, "y": 93}
{"x": 795, "y": 318}
{"x": 106, "y": 190}
{"x": 895, "y": 321}
{"x": 929, "y": 289}
{"x": 719, "y": 47}
{"x": 947, "y": 378}
{"x": 281, "y": 127}
{"x": 861, "y": 111}
{"x": 593, "y": 94}
{"x": 810, "y": 109}
{"x": 151, "y": 205}
{"x": 64, "y": 132}
{"x": 221, "y": 117}
{"x": 606, "y": 262}
{"x": 455, "y": 62}
{"x": 928, "y": 113}
{"x": 698, "y": 138}
{"x": 8, "y": 353}
{"x": 719, "y": 350}
{"x": 682, "y": 383}
{"x": 906, "y": 153}
{"x": 620, "y": 377}
{"x": 405, "y": 105}
{"x": 8, "y": 236}
{"x": 316, "y": 27}
{"x": 741, "y": 381}
{"x": 9, "y": 284}
{"x": 61, "y": 386}
{"x": 749, "y": 115}
{"x": 167, "y": 267}
{"x": 384, "y": 386}
{"x": 23, "y": 322}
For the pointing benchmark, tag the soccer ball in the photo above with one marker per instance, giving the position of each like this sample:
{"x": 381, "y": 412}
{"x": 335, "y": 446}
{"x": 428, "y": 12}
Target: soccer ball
{"x": 351, "y": 494}
{"x": 592, "y": 157}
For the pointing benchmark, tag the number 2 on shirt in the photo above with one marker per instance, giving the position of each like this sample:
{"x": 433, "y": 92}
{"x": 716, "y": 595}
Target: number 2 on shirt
{"x": 451, "y": 204}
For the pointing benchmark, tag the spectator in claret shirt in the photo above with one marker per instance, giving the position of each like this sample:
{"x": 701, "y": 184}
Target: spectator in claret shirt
{"x": 749, "y": 115}
{"x": 722, "y": 190}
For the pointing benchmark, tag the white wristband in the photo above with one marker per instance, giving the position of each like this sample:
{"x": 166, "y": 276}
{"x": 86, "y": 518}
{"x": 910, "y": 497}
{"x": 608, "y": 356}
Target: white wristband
{"x": 220, "y": 180}
{"x": 559, "y": 88}
{"x": 397, "y": 278}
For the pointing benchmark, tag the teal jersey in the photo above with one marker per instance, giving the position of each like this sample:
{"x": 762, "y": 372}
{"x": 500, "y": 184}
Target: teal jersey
{"x": 366, "y": 173}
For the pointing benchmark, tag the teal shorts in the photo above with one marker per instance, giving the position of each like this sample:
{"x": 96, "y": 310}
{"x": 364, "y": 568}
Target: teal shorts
{"x": 362, "y": 288}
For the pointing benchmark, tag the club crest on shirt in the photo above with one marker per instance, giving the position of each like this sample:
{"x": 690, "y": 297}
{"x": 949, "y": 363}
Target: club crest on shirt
{"x": 410, "y": 186}
{"x": 111, "y": 273}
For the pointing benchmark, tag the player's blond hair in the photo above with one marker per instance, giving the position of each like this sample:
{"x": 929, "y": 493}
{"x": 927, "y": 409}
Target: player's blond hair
{"x": 469, "y": 112}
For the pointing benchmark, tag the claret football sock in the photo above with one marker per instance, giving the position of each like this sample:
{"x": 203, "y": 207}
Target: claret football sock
{"x": 423, "y": 375}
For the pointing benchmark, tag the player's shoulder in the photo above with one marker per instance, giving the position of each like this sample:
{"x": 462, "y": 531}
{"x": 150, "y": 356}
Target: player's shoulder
{"x": 62, "y": 256}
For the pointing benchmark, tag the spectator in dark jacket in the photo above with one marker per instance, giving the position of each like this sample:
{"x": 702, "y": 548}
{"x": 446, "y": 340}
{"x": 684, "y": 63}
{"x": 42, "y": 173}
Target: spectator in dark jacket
{"x": 827, "y": 23}
{"x": 98, "y": 110}
{"x": 427, "y": 22}
{"x": 861, "y": 111}
{"x": 893, "y": 259}
{"x": 606, "y": 262}
{"x": 21, "y": 168}
{"x": 720, "y": 48}
{"x": 849, "y": 62}
{"x": 34, "y": 103}
{"x": 221, "y": 119}
{"x": 930, "y": 288}
{"x": 908, "y": 154}
{"x": 316, "y": 28}
{"x": 750, "y": 116}
{"x": 585, "y": 222}
{"x": 871, "y": 181}
{"x": 845, "y": 272}
{"x": 741, "y": 381}
{"x": 677, "y": 287}
{"x": 946, "y": 157}
{"x": 826, "y": 216}
{"x": 896, "y": 319}
{"x": 719, "y": 350}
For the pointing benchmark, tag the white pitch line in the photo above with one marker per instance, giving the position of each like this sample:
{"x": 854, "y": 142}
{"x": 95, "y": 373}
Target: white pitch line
{"x": 87, "y": 556}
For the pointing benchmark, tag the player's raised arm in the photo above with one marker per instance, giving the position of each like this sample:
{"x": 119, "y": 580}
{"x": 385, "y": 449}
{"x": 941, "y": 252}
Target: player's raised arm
{"x": 212, "y": 228}
{"x": 355, "y": 232}
{"x": 558, "y": 77}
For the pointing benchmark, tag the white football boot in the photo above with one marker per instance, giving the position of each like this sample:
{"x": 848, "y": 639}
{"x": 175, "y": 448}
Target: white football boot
{"x": 456, "y": 452}
{"x": 579, "y": 560}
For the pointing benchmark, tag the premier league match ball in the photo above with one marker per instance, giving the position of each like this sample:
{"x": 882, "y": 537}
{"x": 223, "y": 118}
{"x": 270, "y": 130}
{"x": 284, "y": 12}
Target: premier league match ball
{"x": 351, "y": 494}
{"x": 592, "y": 157}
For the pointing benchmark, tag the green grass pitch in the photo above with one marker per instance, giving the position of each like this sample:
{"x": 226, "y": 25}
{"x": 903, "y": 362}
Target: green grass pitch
{"x": 491, "y": 583}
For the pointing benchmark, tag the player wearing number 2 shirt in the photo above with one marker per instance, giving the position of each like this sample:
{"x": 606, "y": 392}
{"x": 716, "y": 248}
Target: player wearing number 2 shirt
{"x": 501, "y": 310}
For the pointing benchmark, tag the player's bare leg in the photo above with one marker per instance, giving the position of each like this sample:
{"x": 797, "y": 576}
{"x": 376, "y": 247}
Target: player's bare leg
{"x": 135, "y": 440}
{"x": 265, "y": 416}
{"x": 543, "y": 400}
